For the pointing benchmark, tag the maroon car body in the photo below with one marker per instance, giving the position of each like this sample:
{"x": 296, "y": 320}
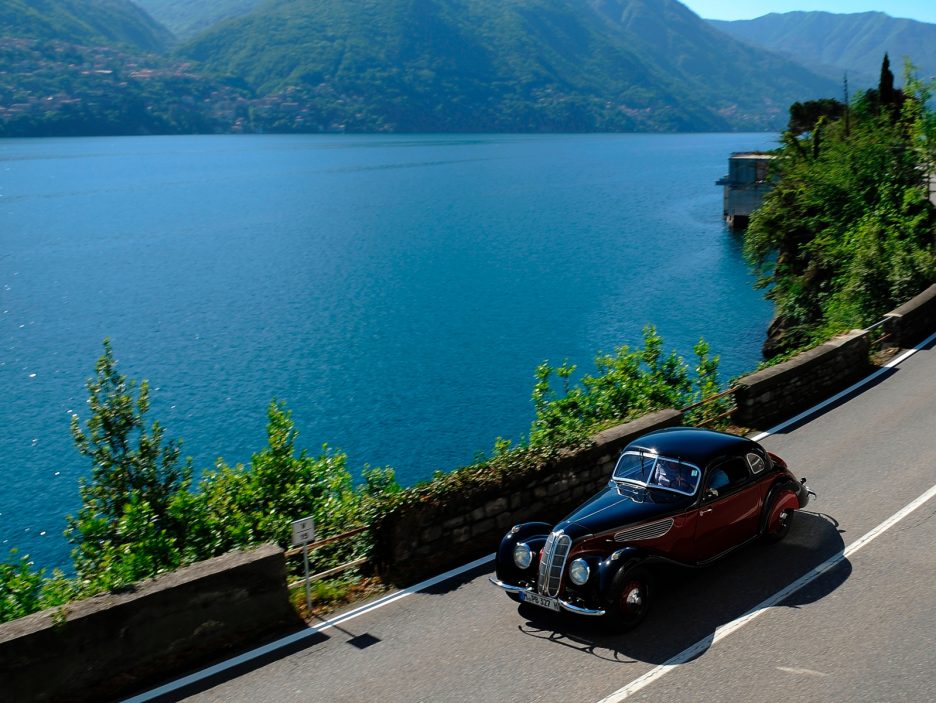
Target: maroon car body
{"x": 680, "y": 496}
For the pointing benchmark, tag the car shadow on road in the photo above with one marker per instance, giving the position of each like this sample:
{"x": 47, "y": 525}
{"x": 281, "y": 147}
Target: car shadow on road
{"x": 690, "y": 604}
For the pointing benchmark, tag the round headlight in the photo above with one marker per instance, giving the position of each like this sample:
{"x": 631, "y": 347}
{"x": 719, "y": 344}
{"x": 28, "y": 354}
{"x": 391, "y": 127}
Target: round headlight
{"x": 579, "y": 571}
{"x": 523, "y": 555}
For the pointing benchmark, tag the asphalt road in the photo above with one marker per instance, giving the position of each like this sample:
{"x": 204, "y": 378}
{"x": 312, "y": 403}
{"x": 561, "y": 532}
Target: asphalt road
{"x": 862, "y": 631}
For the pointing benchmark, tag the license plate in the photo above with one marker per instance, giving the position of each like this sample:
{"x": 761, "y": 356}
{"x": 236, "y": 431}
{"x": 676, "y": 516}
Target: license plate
{"x": 541, "y": 601}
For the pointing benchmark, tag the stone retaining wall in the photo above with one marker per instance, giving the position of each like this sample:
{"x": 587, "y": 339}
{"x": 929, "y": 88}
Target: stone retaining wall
{"x": 104, "y": 646}
{"x": 779, "y": 392}
{"x": 428, "y": 539}
{"x": 913, "y": 321}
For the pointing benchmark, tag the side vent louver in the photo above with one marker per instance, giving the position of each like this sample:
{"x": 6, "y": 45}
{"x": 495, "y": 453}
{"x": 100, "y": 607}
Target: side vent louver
{"x": 651, "y": 530}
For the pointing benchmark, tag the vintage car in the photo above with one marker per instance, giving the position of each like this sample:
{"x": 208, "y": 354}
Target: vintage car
{"x": 679, "y": 496}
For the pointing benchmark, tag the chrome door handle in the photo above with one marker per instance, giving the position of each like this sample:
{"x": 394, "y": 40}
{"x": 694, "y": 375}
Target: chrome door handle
{"x": 707, "y": 510}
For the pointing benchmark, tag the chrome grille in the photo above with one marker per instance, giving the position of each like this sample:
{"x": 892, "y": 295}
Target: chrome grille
{"x": 651, "y": 530}
{"x": 553, "y": 562}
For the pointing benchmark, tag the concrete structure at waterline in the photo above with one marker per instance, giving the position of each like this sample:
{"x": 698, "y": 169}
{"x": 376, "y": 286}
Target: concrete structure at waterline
{"x": 748, "y": 180}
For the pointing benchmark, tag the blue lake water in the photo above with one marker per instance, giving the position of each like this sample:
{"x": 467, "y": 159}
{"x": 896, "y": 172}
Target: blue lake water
{"x": 396, "y": 292}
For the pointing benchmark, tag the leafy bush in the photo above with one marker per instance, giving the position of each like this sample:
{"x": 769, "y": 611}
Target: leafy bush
{"x": 24, "y": 590}
{"x": 629, "y": 383}
{"x": 237, "y": 506}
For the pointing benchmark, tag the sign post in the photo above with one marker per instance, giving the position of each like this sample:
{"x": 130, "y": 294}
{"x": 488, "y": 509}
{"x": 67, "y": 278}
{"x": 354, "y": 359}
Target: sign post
{"x": 303, "y": 532}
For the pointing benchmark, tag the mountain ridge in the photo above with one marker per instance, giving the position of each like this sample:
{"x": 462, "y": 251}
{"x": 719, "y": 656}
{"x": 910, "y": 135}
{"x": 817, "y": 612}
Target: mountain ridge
{"x": 837, "y": 43}
{"x": 390, "y": 66}
{"x": 89, "y": 22}
{"x": 186, "y": 18}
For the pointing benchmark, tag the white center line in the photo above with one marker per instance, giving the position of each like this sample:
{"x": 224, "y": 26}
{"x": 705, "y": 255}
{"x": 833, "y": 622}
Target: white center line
{"x": 723, "y": 631}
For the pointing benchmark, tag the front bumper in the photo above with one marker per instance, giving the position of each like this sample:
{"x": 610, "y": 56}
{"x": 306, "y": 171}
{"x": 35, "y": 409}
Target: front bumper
{"x": 803, "y": 494}
{"x": 572, "y": 608}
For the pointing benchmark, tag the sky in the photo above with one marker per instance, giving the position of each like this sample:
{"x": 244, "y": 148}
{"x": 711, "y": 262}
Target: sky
{"x": 922, "y": 10}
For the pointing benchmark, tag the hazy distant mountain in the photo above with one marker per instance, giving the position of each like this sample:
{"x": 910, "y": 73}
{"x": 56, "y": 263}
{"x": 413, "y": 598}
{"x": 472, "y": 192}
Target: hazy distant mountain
{"x": 90, "y": 22}
{"x": 504, "y": 65}
{"x": 855, "y": 43}
{"x": 188, "y": 17}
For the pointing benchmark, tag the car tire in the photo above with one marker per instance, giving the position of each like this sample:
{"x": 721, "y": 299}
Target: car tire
{"x": 631, "y": 595}
{"x": 783, "y": 529}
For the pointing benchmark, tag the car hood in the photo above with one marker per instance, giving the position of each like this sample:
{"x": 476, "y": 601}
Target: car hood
{"x": 616, "y": 507}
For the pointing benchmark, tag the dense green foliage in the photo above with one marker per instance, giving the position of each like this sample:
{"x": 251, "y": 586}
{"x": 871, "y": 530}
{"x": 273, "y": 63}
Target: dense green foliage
{"x": 838, "y": 43}
{"x": 806, "y": 115}
{"x": 502, "y": 65}
{"x": 244, "y": 505}
{"x": 24, "y": 589}
{"x": 848, "y": 232}
{"x": 92, "y": 22}
{"x": 629, "y": 383}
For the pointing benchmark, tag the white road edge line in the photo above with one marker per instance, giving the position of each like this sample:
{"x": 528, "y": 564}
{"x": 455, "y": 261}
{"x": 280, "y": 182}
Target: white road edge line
{"x": 393, "y": 597}
{"x": 303, "y": 634}
{"x": 723, "y": 631}
{"x": 851, "y": 389}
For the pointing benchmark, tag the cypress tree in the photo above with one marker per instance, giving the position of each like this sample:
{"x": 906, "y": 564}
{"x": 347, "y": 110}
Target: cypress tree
{"x": 886, "y": 84}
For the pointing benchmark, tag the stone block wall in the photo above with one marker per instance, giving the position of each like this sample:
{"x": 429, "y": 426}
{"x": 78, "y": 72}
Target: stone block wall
{"x": 427, "y": 539}
{"x": 99, "y": 648}
{"x": 913, "y": 321}
{"x": 779, "y": 392}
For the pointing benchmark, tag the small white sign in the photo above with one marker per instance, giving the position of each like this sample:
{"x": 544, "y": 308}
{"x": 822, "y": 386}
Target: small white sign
{"x": 303, "y": 531}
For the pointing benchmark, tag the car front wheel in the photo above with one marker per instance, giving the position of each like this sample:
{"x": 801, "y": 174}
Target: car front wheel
{"x": 630, "y": 597}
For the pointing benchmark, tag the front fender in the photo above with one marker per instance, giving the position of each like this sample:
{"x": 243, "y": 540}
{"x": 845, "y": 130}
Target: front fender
{"x": 623, "y": 558}
{"x": 535, "y": 535}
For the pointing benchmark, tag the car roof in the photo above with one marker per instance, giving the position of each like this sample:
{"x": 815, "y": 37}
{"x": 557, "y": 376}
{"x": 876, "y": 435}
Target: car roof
{"x": 692, "y": 445}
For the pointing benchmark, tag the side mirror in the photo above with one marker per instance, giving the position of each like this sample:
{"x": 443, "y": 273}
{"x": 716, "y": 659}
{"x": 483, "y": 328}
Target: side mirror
{"x": 710, "y": 494}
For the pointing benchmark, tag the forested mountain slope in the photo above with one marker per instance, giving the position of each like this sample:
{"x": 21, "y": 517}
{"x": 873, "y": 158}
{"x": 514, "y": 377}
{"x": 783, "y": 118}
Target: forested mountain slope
{"x": 105, "y": 66}
{"x": 504, "y": 65}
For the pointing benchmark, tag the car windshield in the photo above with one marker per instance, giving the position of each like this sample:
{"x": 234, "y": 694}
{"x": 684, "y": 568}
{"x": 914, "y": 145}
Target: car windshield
{"x": 647, "y": 469}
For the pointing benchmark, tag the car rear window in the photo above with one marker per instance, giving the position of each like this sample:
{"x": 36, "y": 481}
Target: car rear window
{"x": 756, "y": 462}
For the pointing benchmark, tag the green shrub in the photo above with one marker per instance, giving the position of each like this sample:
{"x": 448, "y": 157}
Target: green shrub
{"x": 629, "y": 383}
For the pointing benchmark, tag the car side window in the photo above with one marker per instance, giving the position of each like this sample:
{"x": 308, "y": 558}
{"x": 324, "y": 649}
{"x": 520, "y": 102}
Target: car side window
{"x": 756, "y": 462}
{"x": 727, "y": 475}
